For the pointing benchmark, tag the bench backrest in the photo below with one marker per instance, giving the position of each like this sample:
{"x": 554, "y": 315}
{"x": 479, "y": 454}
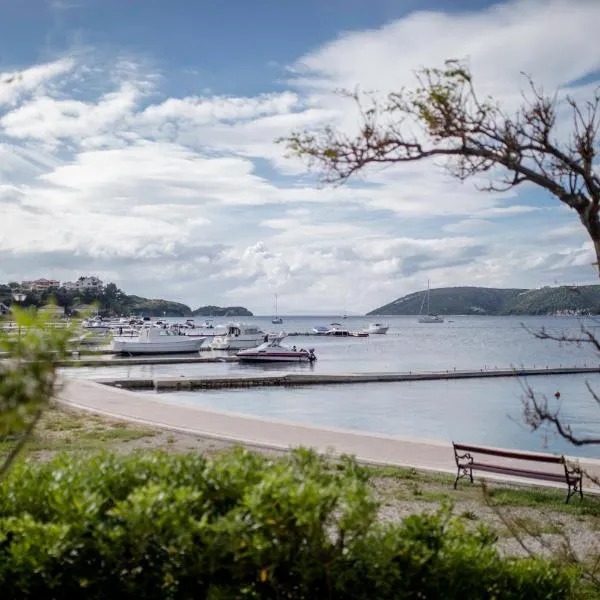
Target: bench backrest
{"x": 546, "y": 458}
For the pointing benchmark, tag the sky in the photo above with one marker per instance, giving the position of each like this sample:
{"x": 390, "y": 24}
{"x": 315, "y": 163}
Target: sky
{"x": 137, "y": 143}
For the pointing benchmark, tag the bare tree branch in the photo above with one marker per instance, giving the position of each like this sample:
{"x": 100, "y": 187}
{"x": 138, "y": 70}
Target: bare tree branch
{"x": 473, "y": 135}
{"x": 537, "y": 412}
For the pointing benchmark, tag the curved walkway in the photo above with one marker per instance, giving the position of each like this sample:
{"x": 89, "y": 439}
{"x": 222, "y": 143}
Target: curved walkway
{"x": 267, "y": 433}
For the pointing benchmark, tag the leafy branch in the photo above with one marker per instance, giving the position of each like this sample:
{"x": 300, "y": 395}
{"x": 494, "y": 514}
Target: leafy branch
{"x": 444, "y": 117}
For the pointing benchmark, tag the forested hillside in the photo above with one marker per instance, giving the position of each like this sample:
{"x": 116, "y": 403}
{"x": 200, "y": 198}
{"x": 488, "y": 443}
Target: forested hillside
{"x": 498, "y": 301}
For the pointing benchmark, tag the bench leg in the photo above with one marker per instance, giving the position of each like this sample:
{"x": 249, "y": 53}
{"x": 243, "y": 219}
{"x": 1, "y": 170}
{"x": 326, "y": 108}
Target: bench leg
{"x": 463, "y": 472}
{"x": 569, "y": 494}
{"x": 574, "y": 488}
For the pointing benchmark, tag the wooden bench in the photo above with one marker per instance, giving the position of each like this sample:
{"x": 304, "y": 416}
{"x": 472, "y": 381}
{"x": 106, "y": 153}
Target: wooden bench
{"x": 478, "y": 458}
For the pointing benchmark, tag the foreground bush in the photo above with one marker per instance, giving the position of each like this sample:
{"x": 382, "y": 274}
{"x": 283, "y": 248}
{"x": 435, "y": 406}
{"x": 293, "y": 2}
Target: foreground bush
{"x": 241, "y": 526}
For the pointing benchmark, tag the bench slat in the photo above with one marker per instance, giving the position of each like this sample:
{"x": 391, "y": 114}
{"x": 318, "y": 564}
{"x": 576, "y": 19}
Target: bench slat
{"x": 546, "y": 458}
{"x": 520, "y": 472}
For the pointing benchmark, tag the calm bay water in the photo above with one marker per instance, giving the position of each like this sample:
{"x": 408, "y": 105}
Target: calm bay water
{"x": 479, "y": 411}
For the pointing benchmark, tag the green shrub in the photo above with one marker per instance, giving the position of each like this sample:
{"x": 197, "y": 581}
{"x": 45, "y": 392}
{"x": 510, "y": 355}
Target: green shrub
{"x": 239, "y": 526}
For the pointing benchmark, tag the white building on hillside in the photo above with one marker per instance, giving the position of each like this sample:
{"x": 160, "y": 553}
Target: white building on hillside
{"x": 84, "y": 284}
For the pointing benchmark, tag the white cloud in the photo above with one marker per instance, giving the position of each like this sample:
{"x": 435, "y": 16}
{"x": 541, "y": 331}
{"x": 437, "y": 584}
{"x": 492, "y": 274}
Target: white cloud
{"x": 15, "y": 84}
{"x": 48, "y": 119}
{"x": 104, "y": 169}
{"x": 549, "y": 39}
{"x": 208, "y": 110}
{"x": 468, "y": 226}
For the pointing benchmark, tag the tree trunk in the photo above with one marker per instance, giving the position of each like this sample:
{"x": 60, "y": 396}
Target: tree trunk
{"x": 597, "y": 250}
{"x": 589, "y": 218}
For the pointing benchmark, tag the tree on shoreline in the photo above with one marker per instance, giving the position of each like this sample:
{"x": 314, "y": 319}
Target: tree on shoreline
{"x": 445, "y": 117}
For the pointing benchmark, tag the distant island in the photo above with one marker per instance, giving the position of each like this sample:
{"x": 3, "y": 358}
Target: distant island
{"x": 560, "y": 300}
{"x": 90, "y": 293}
{"x": 218, "y": 311}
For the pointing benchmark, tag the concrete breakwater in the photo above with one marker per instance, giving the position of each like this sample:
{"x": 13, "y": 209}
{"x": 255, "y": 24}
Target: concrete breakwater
{"x": 296, "y": 379}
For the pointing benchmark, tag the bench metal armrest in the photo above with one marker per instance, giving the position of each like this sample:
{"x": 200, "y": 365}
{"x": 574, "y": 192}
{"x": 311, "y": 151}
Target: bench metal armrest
{"x": 466, "y": 457}
{"x": 573, "y": 470}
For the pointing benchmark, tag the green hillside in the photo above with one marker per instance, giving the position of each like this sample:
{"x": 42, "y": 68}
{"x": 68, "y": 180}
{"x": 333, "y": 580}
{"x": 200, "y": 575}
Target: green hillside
{"x": 549, "y": 300}
{"x": 154, "y": 307}
{"x": 222, "y": 311}
{"x": 452, "y": 301}
{"x": 497, "y": 301}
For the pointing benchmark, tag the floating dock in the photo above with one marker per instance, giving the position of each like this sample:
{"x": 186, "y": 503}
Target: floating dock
{"x": 165, "y": 384}
{"x": 111, "y": 360}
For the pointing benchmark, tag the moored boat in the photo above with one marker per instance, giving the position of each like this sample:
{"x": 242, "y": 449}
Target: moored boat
{"x": 273, "y": 351}
{"x": 377, "y": 328}
{"x": 276, "y": 320}
{"x": 96, "y": 325}
{"x": 359, "y": 334}
{"x": 155, "y": 340}
{"x": 431, "y": 319}
{"x": 428, "y": 316}
{"x": 320, "y": 329}
{"x": 337, "y": 330}
{"x": 239, "y": 337}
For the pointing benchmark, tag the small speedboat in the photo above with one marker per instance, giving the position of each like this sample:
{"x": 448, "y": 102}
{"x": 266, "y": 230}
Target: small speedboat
{"x": 273, "y": 351}
{"x": 378, "y": 328}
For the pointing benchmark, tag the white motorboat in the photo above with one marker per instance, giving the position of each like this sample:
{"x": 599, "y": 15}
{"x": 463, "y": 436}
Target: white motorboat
{"x": 239, "y": 337}
{"x": 96, "y": 325}
{"x": 377, "y": 328}
{"x": 155, "y": 340}
{"x": 273, "y": 351}
{"x": 428, "y": 316}
{"x": 320, "y": 329}
{"x": 337, "y": 330}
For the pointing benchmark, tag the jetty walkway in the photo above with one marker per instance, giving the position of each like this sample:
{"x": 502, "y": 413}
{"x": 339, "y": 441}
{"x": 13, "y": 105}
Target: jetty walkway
{"x": 267, "y": 379}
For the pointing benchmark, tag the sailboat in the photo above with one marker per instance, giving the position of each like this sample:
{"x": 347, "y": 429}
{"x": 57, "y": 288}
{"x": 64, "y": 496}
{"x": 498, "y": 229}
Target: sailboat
{"x": 277, "y": 320}
{"x": 428, "y": 317}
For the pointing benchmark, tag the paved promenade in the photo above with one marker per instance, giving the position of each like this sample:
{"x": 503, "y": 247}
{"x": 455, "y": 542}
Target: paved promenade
{"x": 376, "y": 449}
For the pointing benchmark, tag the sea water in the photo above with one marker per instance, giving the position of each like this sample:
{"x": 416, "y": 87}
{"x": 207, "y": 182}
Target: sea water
{"x": 485, "y": 411}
